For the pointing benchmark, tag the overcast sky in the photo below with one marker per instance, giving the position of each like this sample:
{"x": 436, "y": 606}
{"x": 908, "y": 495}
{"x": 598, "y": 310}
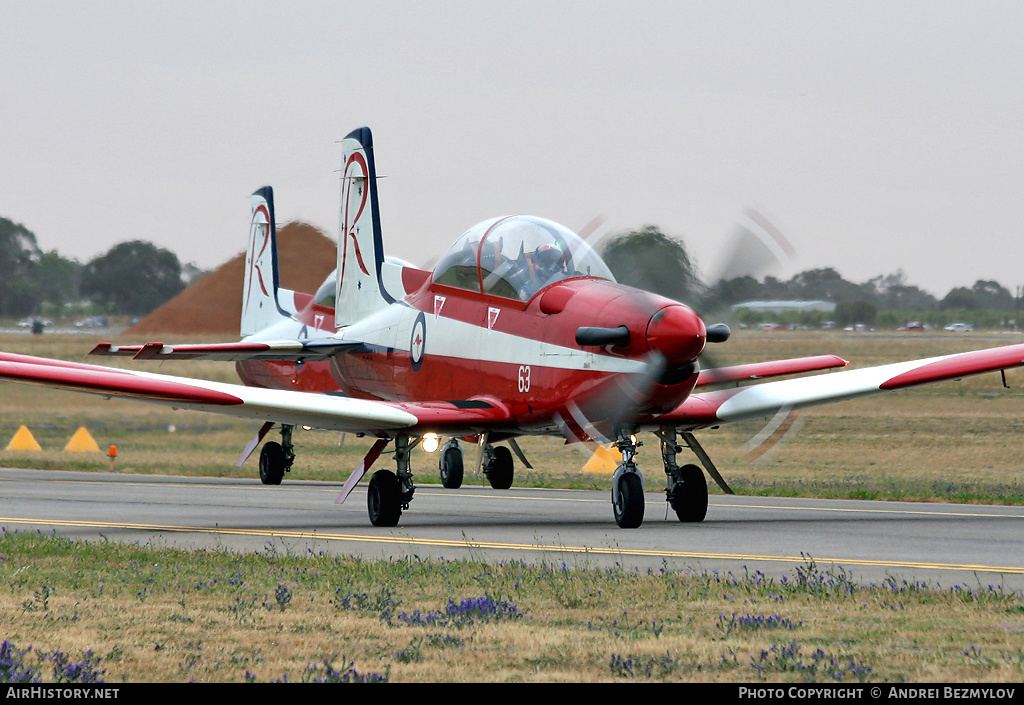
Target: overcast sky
{"x": 876, "y": 136}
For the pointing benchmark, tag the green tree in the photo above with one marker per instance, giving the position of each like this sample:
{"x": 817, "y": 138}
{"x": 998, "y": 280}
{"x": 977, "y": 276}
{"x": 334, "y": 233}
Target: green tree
{"x": 56, "y": 278}
{"x": 860, "y": 311}
{"x": 992, "y": 296}
{"x": 825, "y": 284}
{"x": 650, "y": 260}
{"x": 18, "y": 253}
{"x": 960, "y": 298}
{"x": 736, "y": 290}
{"x": 133, "y": 277}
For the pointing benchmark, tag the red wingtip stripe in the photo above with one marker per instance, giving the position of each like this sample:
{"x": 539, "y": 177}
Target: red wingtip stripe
{"x": 963, "y": 365}
{"x": 116, "y": 383}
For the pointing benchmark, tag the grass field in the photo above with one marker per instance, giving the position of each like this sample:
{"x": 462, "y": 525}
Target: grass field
{"x": 76, "y": 612}
{"x": 115, "y": 613}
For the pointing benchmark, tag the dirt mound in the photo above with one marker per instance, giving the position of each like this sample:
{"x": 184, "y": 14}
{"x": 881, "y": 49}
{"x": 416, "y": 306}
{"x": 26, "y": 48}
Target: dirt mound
{"x": 213, "y": 305}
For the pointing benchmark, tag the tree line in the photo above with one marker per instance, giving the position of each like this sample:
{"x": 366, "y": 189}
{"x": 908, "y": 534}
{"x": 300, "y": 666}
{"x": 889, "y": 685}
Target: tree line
{"x": 651, "y": 260}
{"x": 132, "y": 278}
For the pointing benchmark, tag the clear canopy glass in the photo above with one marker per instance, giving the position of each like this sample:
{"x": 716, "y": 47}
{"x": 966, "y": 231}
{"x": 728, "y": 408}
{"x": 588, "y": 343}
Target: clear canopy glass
{"x": 514, "y": 257}
{"x": 325, "y": 294}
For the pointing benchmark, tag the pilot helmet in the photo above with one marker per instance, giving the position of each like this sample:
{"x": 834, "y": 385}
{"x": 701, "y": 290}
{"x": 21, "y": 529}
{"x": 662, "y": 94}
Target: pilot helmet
{"x": 547, "y": 258}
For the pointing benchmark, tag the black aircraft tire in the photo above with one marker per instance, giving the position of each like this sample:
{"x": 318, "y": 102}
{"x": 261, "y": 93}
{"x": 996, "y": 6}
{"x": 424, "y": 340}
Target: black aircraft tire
{"x": 690, "y": 499}
{"x": 384, "y": 499}
{"x": 501, "y": 470}
{"x": 629, "y": 509}
{"x": 272, "y": 463}
{"x": 452, "y": 469}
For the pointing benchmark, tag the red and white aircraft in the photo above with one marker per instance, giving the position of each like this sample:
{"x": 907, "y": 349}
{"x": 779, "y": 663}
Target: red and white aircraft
{"x": 519, "y": 330}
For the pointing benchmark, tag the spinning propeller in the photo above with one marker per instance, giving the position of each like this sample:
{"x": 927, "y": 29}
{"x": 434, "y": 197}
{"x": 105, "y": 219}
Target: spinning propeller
{"x": 674, "y": 341}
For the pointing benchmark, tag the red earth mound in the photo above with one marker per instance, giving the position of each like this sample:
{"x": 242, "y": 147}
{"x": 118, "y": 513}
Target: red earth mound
{"x": 213, "y": 305}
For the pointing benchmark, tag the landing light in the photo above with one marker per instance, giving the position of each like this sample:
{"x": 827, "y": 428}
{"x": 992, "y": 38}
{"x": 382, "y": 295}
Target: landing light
{"x": 430, "y": 442}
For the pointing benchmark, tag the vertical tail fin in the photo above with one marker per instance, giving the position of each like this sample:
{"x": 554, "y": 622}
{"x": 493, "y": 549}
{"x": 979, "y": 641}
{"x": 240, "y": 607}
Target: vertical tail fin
{"x": 259, "y": 291}
{"x": 361, "y": 288}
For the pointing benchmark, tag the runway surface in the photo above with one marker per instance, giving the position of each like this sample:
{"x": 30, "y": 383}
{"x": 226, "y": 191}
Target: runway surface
{"x": 944, "y": 543}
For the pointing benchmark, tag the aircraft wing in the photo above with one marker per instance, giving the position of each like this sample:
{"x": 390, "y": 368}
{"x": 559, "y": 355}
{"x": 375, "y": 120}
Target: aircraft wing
{"x": 327, "y": 411}
{"x": 775, "y": 368}
{"x": 740, "y": 404}
{"x": 311, "y": 349}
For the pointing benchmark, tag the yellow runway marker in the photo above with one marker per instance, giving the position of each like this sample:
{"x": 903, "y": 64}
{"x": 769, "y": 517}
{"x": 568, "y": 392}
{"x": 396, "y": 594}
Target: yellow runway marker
{"x": 23, "y": 440}
{"x": 82, "y": 442}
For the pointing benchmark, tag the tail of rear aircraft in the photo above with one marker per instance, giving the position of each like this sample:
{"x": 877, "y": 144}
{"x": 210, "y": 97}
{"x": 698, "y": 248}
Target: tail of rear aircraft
{"x": 260, "y": 307}
{"x": 361, "y": 266}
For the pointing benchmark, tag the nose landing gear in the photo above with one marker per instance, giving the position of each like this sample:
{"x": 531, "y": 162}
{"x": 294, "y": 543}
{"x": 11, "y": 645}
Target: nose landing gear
{"x": 450, "y": 464}
{"x": 687, "y": 488}
{"x": 390, "y": 493}
{"x": 276, "y": 458}
{"x": 498, "y": 466}
{"x": 627, "y": 484}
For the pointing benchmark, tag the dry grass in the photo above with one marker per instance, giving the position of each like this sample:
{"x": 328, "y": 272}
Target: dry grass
{"x": 170, "y": 616}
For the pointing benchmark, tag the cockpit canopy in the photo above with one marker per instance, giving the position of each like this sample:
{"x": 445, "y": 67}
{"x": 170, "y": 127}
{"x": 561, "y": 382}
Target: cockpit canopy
{"x": 325, "y": 295}
{"x": 514, "y": 257}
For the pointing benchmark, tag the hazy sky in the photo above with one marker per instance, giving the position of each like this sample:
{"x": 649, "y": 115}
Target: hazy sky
{"x": 876, "y": 136}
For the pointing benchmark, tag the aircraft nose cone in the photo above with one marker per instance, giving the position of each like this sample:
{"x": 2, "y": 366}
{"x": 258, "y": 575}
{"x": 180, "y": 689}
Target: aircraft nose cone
{"x": 677, "y": 333}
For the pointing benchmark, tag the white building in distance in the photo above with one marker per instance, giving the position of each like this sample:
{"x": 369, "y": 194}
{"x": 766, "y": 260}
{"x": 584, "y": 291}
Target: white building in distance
{"x": 786, "y": 306}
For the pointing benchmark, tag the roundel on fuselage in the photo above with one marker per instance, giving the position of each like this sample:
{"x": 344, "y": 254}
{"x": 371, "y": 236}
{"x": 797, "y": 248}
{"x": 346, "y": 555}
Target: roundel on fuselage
{"x": 418, "y": 342}
{"x": 514, "y": 257}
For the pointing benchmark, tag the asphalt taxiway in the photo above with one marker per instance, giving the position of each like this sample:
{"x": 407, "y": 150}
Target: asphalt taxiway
{"x": 945, "y": 543}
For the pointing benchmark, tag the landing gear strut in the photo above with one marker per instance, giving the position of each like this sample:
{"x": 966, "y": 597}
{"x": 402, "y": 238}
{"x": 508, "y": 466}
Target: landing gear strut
{"x": 389, "y": 493}
{"x": 276, "y": 458}
{"x": 498, "y": 466}
{"x": 627, "y": 484}
{"x": 687, "y": 490}
{"x": 450, "y": 464}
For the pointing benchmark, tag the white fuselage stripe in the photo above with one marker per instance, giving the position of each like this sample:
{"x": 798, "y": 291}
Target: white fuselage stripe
{"x": 446, "y": 337}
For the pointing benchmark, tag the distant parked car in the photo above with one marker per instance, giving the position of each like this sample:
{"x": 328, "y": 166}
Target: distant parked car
{"x": 34, "y": 320}
{"x": 95, "y": 322}
{"x": 35, "y": 323}
{"x": 960, "y": 327}
{"x": 913, "y": 325}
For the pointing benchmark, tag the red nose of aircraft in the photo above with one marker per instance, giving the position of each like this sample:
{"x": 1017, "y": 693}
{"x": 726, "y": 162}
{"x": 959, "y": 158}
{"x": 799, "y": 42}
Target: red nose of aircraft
{"x": 677, "y": 333}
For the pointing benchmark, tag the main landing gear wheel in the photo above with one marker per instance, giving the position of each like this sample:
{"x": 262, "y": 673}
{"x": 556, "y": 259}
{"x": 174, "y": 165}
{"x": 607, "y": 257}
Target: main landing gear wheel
{"x": 499, "y": 469}
{"x": 689, "y": 498}
{"x": 384, "y": 498}
{"x": 273, "y": 461}
{"x": 451, "y": 467}
{"x": 628, "y": 504}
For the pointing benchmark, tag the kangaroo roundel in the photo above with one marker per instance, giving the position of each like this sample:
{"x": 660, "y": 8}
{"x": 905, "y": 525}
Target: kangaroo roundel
{"x": 418, "y": 341}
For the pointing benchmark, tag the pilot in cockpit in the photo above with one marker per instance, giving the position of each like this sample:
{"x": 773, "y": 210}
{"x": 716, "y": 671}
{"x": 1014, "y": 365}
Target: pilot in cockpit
{"x": 542, "y": 266}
